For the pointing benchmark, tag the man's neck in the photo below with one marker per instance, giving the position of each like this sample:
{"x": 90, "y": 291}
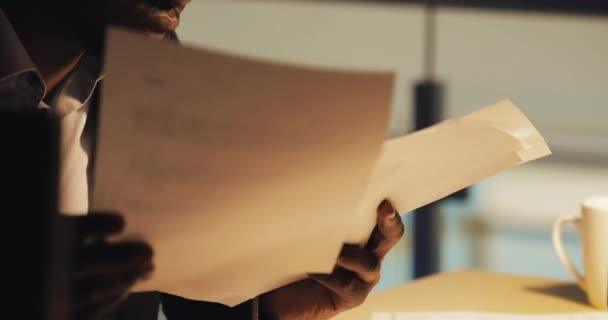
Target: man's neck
{"x": 54, "y": 52}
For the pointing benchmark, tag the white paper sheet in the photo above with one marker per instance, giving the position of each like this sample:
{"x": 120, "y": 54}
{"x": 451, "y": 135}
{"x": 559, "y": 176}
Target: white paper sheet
{"x": 486, "y": 316}
{"x": 246, "y": 174}
{"x": 241, "y": 173}
{"x": 430, "y": 164}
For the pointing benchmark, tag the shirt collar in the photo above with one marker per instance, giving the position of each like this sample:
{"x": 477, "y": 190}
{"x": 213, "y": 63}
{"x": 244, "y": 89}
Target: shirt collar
{"x": 77, "y": 88}
{"x": 71, "y": 94}
{"x": 13, "y": 57}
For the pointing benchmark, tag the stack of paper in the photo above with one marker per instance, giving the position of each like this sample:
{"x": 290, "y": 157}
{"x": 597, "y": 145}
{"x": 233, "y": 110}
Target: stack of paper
{"x": 247, "y": 174}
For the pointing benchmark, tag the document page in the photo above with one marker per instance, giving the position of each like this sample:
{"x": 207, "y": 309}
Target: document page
{"x": 243, "y": 174}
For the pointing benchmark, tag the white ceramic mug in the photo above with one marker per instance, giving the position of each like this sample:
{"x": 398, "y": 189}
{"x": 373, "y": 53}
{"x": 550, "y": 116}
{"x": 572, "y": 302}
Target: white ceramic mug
{"x": 592, "y": 223}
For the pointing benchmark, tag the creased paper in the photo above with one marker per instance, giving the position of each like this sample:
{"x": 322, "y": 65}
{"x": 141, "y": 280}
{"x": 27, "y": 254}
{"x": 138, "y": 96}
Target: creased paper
{"x": 435, "y": 162}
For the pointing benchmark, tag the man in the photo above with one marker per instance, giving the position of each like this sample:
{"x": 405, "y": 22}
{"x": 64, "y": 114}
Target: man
{"x": 50, "y": 59}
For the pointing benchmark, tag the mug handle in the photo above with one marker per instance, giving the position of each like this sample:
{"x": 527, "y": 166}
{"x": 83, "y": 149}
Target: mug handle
{"x": 559, "y": 247}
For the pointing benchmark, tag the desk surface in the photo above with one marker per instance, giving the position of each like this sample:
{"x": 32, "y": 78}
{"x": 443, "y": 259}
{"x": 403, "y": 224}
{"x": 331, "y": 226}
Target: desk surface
{"x": 473, "y": 290}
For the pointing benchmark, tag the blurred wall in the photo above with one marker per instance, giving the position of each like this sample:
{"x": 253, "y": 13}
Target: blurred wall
{"x": 554, "y": 68}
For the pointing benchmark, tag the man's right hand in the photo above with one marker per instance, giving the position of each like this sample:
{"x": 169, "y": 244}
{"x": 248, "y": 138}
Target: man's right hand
{"x": 102, "y": 272}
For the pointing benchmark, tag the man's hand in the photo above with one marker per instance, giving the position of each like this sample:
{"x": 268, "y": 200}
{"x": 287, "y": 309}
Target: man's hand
{"x": 356, "y": 273}
{"x": 102, "y": 273}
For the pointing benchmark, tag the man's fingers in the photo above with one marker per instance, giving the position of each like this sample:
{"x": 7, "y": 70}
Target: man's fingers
{"x": 100, "y": 259}
{"x": 345, "y": 284}
{"x": 97, "y": 310}
{"x": 364, "y": 263}
{"x": 389, "y": 221}
{"x": 389, "y": 230}
{"x": 93, "y": 290}
{"x": 100, "y": 289}
{"x": 95, "y": 224}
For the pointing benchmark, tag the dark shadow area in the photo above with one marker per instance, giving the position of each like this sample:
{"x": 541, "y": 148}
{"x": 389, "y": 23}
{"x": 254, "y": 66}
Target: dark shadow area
{"x": 570, "y": 292}
{"x": 33, "y": 241}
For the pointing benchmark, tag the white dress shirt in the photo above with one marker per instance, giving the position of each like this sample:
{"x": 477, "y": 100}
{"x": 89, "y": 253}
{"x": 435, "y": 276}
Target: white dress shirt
{"x": 21, "y": 86}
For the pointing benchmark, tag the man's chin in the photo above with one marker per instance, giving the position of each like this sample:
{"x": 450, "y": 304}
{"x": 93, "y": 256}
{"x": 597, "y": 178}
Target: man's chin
{"x": 156, "y": 35}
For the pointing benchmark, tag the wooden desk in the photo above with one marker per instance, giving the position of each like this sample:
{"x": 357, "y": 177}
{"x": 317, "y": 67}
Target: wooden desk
{"x": 473, "y": 290}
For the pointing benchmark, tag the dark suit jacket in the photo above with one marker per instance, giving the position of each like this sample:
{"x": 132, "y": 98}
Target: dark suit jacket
{"x": 144, "y": 306}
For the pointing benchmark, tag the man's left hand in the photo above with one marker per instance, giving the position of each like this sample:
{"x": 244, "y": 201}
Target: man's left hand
{"x": 356, "y": 273}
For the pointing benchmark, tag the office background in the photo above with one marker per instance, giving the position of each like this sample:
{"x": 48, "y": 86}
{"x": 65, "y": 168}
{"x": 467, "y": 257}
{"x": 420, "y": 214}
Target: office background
{"x": 553, "y": 66}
